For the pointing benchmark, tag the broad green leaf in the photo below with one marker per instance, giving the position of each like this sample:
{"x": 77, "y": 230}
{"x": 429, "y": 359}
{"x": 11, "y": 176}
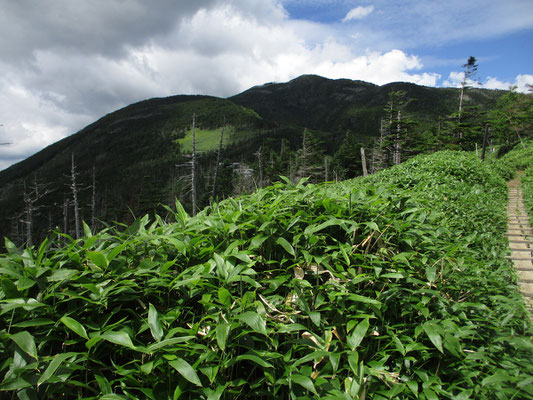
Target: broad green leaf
{"x": 103, "y": 384}
{"x": 257, "y": 241}
{"x": 10, "y": 289}
{"x": 26, "y": 342}
{"x": 433, "y": 335}
{"x": 224, "y": 296}
{"x": 53, "y": 366}
{"x": 86, "y": 230}
{"x": 147, "y": 368}
{"x": 181, "y": 215}
{"x": 358, "y": 334}
{"x": 75, "y": 326}
{"x": 430, "y": 394}
{"x": 254, "y": 321}
{"x": 498, "y": 377}
{"x": 97, "y": 258}
{"x": 216, "y": 394}
{"x": 312, "y": 229}
{"x": 153, "y": 322}
{"x": 286, "y": 245}
{"x": 120, "y": 337}
{"x": 255, "y": 359}
{"x": 431, "y": 273}
{"x": 222, "y": 332}
{"x": 113, "y": 396}
{"x": 34, "y": 322}
{"x": 168, "y": 342}
{"x": 315, "y": 317}
{"x": 186, "y": 370}
{"x": 305, "y": 382}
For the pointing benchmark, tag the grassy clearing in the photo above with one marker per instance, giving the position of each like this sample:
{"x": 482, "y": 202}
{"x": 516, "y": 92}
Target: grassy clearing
{"x": 208, "y": 140}
{"x": 390, "y": 287}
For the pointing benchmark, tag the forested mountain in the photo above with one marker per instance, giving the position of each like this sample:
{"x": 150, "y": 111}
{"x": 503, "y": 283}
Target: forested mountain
{"x": 136, "y": 159}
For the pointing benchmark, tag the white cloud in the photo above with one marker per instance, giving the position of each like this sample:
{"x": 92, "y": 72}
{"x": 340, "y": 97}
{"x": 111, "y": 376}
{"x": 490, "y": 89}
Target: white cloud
{"x": 65, "y": 64}
{"x": 358, "y": 13}
{"x": 521, "y": 83}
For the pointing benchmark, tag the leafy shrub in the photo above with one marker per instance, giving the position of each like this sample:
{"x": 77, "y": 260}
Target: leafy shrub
{"x": 394, "y": 286}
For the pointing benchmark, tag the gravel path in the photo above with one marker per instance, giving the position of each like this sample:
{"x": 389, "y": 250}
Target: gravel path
{"x": 520, "y": 236}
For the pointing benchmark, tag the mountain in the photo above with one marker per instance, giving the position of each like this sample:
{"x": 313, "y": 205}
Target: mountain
{"x": 135, "y": 160}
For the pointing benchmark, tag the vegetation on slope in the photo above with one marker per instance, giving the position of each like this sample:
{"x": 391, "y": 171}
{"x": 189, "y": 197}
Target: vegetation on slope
{"x": 394, "y": 286}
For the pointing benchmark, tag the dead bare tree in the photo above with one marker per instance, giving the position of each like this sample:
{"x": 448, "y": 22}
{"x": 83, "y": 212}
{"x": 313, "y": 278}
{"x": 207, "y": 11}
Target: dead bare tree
{"x": 75, "y": 203}
{"x": 193, "y": 167}
{"x": 217, "y": 166}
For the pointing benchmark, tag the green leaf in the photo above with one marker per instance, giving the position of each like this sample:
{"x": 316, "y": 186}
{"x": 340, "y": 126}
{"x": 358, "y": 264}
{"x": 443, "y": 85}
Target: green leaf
{"x": 103, "y": 384}
{"x": 181, "y": 215}
{"x": 286, "y": 245}
{"x": 431, "y": 273}
{"x": 358, "y": 334}
{"x": 216, "y": 394}
{"x": 86, "y": 230}
{"x": 433, "y": 335}
{"x": 224, "y": 296}
{"x": 186, "y": 370}
{"x": 498, "y": 377}
{"x": 430, "y": 394}
{"x": 75, "y": 326}
{"x": 120, "y": 338}
{"x": 97, "y": 258}
{"x": 147, "y": 368}
{"x": 222, "y": 332}
{"x": 315, "y": 317}
{"x": 305, "y": 382}
{"x": 254, "y": 321}
{"x": 26, "y": 342}
{"x": 34, "y": 322}
{"x": 9, "y": 289}
{"x": 53, "y": 366}
{"x": 155, "y": 325}
{"x": 255, "y": 359}
{"x": 168, "y": 342}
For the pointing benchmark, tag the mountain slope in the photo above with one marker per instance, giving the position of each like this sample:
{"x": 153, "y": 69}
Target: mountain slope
{"x": 337, "y": 105}
{"x": 138, "y": 156}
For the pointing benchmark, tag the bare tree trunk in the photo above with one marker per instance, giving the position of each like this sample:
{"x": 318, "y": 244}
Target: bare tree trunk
{"x": 259, "y": 155}
{"x": 193, "y": 167}
{"x": 65, "y": 215}
{"x": 28, "y": 203}
{"x": 397, "y": 145}
{"x": 485, "y": 141}
{"x": 326, "y": 168}
{"x": 93, "y": 201}
{"x": 74, "y": 188}
{"x": 219, "y": 159}
{"x": 363, "y": 161}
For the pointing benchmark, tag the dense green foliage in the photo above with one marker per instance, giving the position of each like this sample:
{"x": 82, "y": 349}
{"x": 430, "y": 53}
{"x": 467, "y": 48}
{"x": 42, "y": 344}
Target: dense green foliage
{"x": 394, "y": 286}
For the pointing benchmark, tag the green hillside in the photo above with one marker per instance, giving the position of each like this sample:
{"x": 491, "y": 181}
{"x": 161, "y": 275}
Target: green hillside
{"x": 137, "y": 159}
{"x": 395, "y": 286}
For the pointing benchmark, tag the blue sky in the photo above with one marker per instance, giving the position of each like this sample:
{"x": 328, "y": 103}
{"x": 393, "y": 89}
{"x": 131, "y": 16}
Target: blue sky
{"x": 67, "y": 63}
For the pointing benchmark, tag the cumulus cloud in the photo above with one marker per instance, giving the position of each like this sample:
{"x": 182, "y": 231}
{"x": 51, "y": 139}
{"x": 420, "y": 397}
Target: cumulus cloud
{"x": 358, "y": 13}
{"x": 65, "y": 64}
{"x": 521, "y": 83}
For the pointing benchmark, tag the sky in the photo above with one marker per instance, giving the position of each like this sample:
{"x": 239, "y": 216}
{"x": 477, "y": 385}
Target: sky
{"x": 65, "y": 64}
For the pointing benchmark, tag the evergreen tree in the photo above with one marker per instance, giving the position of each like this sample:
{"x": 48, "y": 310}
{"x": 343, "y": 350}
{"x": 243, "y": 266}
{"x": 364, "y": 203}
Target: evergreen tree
{"x": 347, "y": 159}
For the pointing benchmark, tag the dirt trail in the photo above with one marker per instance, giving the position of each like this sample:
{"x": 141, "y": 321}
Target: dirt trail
{"x": 520, "y": 236}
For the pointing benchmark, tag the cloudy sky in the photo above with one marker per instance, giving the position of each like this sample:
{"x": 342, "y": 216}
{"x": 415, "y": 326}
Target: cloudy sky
{"x": 66, "y": 63}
